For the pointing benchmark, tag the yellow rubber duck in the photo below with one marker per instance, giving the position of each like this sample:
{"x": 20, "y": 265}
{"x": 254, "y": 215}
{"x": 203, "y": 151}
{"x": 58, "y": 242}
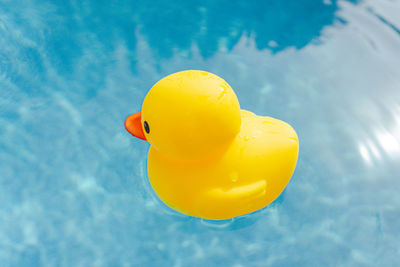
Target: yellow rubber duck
{"x": 208, "y": 158}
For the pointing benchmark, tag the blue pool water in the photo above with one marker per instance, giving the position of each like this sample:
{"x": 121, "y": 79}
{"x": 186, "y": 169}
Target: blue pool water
{"x": 73, "y": 182}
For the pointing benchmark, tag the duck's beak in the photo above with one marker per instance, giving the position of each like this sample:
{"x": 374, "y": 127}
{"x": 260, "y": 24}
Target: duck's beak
{"x": 133, "y": 125}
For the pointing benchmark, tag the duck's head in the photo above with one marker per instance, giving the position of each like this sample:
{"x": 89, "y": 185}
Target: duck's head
{"x": 188, "y": 115}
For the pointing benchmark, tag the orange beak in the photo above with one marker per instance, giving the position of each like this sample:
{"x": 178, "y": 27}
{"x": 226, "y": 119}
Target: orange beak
{"x": 133, "y": 124}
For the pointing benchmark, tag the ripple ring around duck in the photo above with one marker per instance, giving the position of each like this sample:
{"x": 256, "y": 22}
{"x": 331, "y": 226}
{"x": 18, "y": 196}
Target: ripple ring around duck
{"x": 208, "y": 158}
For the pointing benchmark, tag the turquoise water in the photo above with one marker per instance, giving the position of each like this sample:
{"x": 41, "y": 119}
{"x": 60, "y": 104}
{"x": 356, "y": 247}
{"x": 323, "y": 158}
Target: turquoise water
{"x": 73, "y": 182}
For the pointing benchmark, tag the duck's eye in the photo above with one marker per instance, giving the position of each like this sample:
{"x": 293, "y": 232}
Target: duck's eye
{"x": 146, "y": 127}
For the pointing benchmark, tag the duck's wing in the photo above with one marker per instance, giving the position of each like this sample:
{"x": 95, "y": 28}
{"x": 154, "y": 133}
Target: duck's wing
{"x": 219, "y": 203}
{"x": 239, "y": 193}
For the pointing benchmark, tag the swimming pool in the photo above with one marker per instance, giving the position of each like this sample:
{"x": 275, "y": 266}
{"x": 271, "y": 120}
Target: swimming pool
{"x": 73, "y": 185}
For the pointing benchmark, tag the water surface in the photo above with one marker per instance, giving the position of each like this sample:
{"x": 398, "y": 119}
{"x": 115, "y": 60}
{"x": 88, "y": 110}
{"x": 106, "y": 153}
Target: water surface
{"x": 73, "y": 182}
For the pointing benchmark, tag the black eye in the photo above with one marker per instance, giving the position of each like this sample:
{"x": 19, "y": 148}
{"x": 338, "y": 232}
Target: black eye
{"x": 146, "y": 127}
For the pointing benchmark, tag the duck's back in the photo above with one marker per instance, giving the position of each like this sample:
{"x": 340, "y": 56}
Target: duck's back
{"x": 250, "y": 175}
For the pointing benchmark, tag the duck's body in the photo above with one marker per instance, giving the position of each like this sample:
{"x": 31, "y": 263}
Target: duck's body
{"x": 208, "y": 158}
{"x": 251, "y": 173}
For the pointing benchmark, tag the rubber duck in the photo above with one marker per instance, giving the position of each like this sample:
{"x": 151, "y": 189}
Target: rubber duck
{"x": 208, "y": 158}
